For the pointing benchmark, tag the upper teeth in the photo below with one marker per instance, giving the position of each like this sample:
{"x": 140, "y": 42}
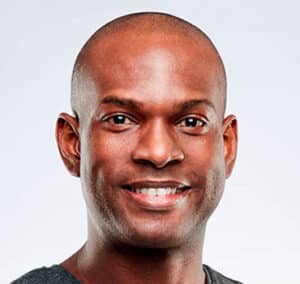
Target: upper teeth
{"x": 156, "y": 191}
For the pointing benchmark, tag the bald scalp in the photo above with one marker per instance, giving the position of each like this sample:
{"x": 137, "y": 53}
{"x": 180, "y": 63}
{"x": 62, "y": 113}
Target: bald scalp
{"x": 139, "y": 24}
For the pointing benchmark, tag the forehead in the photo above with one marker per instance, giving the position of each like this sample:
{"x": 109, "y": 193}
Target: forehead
{"x": 154, "y": 68}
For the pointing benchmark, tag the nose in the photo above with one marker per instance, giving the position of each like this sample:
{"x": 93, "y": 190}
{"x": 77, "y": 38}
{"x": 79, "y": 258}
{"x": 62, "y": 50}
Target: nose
{"x": 157, "y": 146}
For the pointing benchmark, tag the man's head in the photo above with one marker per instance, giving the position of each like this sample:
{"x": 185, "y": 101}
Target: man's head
{"x": 149, "y": 139}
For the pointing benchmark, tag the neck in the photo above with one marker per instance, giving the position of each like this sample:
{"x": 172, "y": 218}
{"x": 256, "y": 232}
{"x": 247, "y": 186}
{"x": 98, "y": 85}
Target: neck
{"x": 99, "y": 262}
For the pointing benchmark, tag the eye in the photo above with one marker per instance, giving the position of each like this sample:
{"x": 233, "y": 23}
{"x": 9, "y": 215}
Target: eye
{"x": 193, "y": 125}
{"x": 118, "y": 122}
{"x": 192, "y": 122}
{"x": 119, "y": 119}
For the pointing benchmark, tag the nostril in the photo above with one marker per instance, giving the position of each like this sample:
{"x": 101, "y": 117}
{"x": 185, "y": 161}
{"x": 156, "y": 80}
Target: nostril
{"x": 174, "y": 162}
{"x": 157, "y": 164}
{"x": 126, "y": 187}
{"x": 186, "y": 188}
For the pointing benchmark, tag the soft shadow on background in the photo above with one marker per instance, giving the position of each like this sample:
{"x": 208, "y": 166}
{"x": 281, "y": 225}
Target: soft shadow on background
{"x": 254, "y": 234}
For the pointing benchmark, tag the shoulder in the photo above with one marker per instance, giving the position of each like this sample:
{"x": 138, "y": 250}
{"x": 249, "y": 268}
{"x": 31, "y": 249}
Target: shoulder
{"x": 215, "y": 277}
{"x": 47, "y": 275}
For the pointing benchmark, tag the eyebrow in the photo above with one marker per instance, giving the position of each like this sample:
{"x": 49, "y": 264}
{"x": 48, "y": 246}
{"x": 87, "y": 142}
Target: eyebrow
{"x": 121, "y": 102}
{"x": 184, "y": 106}
{"x": 193, "y": 103}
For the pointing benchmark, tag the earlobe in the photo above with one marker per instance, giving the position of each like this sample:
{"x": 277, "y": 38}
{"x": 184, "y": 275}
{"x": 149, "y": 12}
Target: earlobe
{"x": 68, "y": 141}
{"x": 230, "y": 137}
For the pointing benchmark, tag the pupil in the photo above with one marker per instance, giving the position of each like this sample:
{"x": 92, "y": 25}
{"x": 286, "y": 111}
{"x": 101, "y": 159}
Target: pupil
{"x": 119, "y": 119}
{"x": 191, "y": 122}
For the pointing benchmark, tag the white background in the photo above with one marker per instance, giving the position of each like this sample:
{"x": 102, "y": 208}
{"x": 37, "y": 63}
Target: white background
{"x": 254, "y": 234}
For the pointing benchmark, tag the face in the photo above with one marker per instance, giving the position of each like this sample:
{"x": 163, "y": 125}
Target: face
{"x": 154, "y": 147}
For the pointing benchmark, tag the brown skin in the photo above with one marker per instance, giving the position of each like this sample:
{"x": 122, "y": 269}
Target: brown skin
{"x": 158, "y": 140}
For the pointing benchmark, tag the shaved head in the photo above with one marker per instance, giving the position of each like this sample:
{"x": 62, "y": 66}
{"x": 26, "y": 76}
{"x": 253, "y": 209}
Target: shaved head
{"x": 125, "y": 32}
{"x": 151, "y": 146}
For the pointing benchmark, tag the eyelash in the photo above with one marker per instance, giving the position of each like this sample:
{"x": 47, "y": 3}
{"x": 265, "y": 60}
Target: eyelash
{"x": 123, "y": 117}
{"x": 203, "y": 122}
{"x": 116, "y": 116}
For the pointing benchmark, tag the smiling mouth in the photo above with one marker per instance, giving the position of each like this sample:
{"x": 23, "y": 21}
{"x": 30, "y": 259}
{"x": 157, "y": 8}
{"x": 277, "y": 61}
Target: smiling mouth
{"x": 156, "y": 195}
{"x": 157, "y": 189}
{"x": 161, "y": 191}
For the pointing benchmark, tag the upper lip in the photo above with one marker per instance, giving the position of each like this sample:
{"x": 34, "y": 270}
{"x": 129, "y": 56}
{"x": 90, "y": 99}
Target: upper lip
{"x": 156, "y": 184}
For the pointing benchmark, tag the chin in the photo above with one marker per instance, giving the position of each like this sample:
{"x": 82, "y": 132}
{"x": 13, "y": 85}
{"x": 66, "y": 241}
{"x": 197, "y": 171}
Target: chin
{"x": 159, "y": 236}
{"x": 161, "y": 242}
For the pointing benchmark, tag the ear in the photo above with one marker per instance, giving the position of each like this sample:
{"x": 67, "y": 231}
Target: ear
{"x": 230, "y": 137}
{"x": 68, "y": 141}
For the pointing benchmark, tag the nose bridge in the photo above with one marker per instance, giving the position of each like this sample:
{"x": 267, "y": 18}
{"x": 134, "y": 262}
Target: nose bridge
{"x": 158, "y": 145}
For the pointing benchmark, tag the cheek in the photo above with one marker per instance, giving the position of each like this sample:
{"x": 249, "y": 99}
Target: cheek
{"x": 205, "y": 158}
{"x": 205, "y": 152}
{"x": 108, "y": 151}
{"x": 105, "y": 156}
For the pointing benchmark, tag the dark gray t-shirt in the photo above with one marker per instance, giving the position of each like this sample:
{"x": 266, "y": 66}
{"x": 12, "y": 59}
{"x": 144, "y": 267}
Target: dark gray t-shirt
{"x": 56, "y": 274}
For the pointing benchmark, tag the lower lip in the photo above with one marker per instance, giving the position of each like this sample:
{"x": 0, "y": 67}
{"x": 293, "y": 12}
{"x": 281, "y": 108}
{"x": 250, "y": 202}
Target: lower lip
{"x": 157, "y": 203}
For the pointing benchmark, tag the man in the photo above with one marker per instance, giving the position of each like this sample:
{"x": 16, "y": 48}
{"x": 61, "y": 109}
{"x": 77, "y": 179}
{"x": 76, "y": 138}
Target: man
{"x": 152, "y": 148}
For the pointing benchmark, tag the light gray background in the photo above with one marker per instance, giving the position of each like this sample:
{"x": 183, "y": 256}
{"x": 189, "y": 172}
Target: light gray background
{"x": 254, "y": 234}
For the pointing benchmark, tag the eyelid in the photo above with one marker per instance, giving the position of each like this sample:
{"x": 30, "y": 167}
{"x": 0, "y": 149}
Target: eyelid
{"x": 111, "y": 115}
{"x": 203, "y": 118}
